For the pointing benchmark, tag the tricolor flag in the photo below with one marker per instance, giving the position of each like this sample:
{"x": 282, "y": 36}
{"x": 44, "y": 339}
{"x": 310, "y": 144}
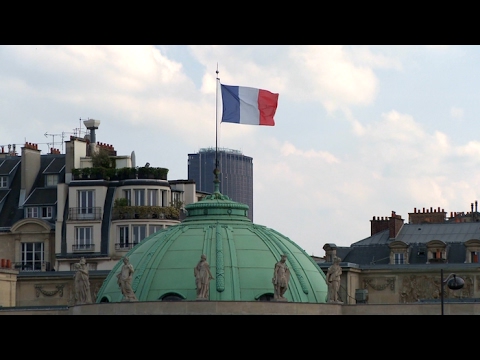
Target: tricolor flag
{"x": 246, "y": 105}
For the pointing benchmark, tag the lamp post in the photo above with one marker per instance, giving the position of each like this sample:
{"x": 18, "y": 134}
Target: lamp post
{"x": 453, "y": 282}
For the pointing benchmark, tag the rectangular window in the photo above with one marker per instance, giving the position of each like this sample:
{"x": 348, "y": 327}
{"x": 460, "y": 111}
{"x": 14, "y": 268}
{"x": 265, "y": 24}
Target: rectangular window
{"x": 474, "y": 256}
{"x": 86, "y": 203}
{"x": 46, "y": 212}
{"x": 152, "y": 229}
{"x": 3, "y": 181}
{"x": 152, "y": 197}
{"x": 51, "y": 180}
{"x": 32, "y": 256}
{"x": 163, "y": 196}
{"x": 83, "y": 238}
{"x": 139, "y": 197}
{"x": 123, "y": 237}
{"x": 127, "y": 194}
{"x": 175, "y": 198}
{"x": 399, "y": 258}
{"x": 138, "y": 233}
{"x": 31, "y": 212}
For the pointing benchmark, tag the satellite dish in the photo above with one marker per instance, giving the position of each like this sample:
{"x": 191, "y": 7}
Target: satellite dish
{"x": 133, "y": 159}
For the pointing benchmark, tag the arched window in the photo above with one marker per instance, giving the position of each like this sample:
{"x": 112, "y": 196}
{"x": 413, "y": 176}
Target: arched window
{"x": 172, "y": 297}
{"x": 265, "y": 297}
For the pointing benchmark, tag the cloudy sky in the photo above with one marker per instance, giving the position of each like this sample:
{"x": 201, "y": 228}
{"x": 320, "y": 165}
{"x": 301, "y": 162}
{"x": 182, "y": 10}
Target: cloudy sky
{"x": 360, "y": 131}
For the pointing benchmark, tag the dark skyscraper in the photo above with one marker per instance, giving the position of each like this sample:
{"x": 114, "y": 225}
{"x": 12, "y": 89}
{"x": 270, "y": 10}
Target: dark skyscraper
{"x": 236, "y": 174}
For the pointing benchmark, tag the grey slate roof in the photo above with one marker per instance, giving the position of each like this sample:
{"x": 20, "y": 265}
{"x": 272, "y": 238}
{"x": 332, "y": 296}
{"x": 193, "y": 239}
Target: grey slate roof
{"x": 8, "y": 164}
{"x": 55, "y": 166}
{"x": 10, "y": 213}
{"x": 375, "y": 250}
{"x": 448, "y": 233}
{"x": 423, "y": 233}
{"x": 374, "y": 254}
{"x": 42, "y": 196}
{"x": 3, "y": 194}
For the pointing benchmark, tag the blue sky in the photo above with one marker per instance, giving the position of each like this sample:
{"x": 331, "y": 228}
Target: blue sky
{"x": 361, "y": 131}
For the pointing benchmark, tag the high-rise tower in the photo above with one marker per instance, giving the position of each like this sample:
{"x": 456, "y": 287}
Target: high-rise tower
{"x": 236, "y": 174}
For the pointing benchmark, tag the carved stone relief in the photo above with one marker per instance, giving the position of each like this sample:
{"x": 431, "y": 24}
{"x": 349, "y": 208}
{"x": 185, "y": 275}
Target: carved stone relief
{"x": 477, "y": 280}
{"x": 415, "y": 288}
{"x": 47, "y": 290}
{"x": 96, "y": 288}
{"x": 380, "y": 283}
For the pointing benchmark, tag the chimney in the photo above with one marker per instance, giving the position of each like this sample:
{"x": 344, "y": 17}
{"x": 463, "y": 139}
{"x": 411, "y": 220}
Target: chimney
{"x": 395, "y": 223}
{"x": 377, "y": 225}
{"x": 30, "y": 166}
{"x": 330, "y": 252}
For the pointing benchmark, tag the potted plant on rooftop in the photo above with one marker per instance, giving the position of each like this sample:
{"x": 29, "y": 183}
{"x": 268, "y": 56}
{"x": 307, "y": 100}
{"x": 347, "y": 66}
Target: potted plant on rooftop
{"x": 86, "y": 172}
{"x": 145, "y": 172}
{"x": 76, "y": 173}
{"x": 97, "y": 173}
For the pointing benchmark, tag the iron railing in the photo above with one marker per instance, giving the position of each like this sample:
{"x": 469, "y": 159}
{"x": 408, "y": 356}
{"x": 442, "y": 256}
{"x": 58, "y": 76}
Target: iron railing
{"x": 83, "y": 247}
{"x": 85, "y": 213}
{"x": 125, "y": 246}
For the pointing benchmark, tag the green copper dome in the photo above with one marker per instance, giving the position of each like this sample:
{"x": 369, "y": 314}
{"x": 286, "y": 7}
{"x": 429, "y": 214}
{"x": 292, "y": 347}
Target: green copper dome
{"x": 241, "y": 255}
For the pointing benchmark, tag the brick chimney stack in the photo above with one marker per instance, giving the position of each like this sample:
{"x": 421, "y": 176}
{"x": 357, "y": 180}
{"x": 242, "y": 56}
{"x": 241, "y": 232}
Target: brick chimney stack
{"x": 432, "y": 216}
{"x": 395, "y": 223}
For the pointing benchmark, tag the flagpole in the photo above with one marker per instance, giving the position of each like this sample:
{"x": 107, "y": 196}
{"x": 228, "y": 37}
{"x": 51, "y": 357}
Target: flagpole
{"x": 216, "y": 171}
{"x": 216, "y": 119}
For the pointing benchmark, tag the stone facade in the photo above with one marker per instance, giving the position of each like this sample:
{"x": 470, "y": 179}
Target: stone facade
{"x": 249, "y": 308}
{"x": 399, "y": 286}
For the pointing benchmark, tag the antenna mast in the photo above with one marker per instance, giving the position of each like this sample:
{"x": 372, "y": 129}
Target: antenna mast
{"x": 53, "y": 139}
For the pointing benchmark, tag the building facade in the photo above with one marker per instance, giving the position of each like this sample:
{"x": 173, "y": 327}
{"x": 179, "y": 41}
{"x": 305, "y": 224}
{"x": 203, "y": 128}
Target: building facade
{"x": 403, "y": 262}
{"x": 57, "y": 208}
{"x": 86, "y": 203}
{"x": 236, "y": 174}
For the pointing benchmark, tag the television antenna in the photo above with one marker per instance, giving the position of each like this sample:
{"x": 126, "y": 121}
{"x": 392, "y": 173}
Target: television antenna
{"x": 53, "y": 139}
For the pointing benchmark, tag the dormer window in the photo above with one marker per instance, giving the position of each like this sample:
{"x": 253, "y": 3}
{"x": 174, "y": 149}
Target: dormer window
{"x": 47, "y": 212}
{"x": 472, "y": 248}
{"x": 51, "y": 180}
{"x": 398, "y": 252}
{"x": 399, "y": 258}
{"x": 437, "y": 251}
{"x": 3, "y": 181}
{"x": 44, "y": 212}
{"x": 31, "y": 212}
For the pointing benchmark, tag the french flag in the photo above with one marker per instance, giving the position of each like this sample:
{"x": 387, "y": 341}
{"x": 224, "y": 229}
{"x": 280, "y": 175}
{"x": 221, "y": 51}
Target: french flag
{"x": 246, "y": 105}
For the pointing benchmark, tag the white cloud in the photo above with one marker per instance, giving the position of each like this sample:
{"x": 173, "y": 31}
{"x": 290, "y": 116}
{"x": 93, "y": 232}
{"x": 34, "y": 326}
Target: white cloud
{"x": 342, "y": 150}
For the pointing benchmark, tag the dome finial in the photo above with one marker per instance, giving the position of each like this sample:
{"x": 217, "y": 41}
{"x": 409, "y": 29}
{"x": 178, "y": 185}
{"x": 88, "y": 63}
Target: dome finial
{"x": 216, "y": 180}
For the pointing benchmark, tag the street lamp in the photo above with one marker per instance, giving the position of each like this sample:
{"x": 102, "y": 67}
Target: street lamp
{"x": 453, "y": 282}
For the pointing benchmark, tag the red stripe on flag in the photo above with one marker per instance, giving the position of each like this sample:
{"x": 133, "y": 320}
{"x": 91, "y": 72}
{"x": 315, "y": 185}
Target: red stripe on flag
{"x": 267, "y": 105}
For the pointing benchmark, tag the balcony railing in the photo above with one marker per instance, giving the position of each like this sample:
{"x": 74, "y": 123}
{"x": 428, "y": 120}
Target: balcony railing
{"x": 145, "y": 212}
{"x": 83, "y": 248}
{"x": 125, "y": 246}
{"x": 85, "y": 213}
{"x": 437, "y": 260}
{"x": 32, "y": 266}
